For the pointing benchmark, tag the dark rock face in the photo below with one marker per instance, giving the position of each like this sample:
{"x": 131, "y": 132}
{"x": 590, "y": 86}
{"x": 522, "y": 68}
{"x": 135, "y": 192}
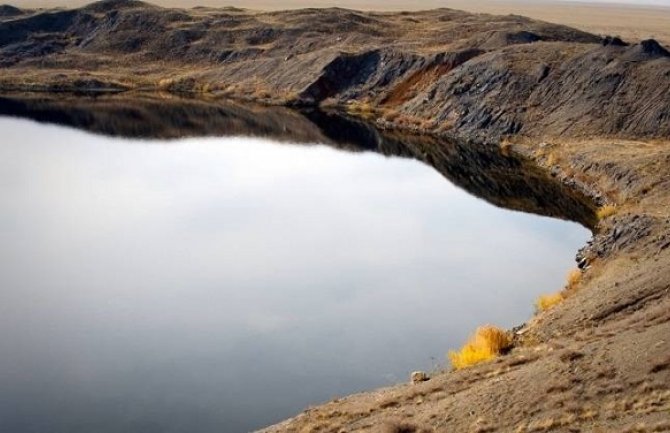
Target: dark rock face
{"x": 349, "y": 76}
{"x": 645, "y": 51}
{"x": 344, "y": 71}
{"x": 653, "y": 48}
{"x": 625, "y": 232}
{"x": 613, "y": 41}
{"x": 21, "y": 30}
{"x": 10, "y": 11}
{"x": 501, "y": 39}
{"x": 599, "y": 90}
{"x": 104, "y": 6}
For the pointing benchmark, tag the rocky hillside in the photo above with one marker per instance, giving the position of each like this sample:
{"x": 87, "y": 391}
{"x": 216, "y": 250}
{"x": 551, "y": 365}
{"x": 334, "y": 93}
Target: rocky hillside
{"x": 443, "y": 70}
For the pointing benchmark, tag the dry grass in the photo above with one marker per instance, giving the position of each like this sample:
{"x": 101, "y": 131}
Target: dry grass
{"x": 486, "y": 344}
{"x": 505, "y": 146}
{"x": 545, "y": 302}
{"x": 573, "y": 279}
{"x": 552, "y": 159}
{"x": 185, "y": 82}
{"x": 363, "y": 109}
{"x": 606, "y": 211}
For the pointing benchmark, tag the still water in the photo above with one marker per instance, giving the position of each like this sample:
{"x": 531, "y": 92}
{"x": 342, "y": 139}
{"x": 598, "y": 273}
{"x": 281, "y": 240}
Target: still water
{"x": 222, "y": 284}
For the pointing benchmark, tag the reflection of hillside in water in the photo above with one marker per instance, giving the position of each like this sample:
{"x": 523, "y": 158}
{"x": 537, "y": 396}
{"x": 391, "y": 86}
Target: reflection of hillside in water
{"x": 502, "y": 180}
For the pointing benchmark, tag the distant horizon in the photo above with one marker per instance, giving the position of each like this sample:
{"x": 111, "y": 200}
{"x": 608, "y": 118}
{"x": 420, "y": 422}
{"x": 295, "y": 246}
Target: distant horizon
{"x": 665, "y": 3}
{"x": 391, "y": 4}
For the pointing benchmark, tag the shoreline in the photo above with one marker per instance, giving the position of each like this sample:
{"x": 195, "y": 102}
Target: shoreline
{"x": 550, "y": 337}
{"x": 396, "y": 408}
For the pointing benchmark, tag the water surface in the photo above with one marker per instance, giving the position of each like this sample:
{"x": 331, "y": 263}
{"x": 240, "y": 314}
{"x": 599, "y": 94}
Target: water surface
{"x": 221, "y": 284}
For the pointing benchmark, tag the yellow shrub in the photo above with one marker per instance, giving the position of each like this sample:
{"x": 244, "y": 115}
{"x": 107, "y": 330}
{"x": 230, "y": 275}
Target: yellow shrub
{"x": 574, "y": 277}
{"x": 470, "y": 355}
{"x": 606, "y": 211}
{"x": 492, "y": 337}
{"x": 487, "y": 343}
{"x": 364, "y": 109}
{"x": 545, "y": 302}
{"x": 359, "y": 107}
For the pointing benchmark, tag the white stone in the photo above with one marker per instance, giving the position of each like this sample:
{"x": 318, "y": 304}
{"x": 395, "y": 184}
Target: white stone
{"x": 418, "y": 376}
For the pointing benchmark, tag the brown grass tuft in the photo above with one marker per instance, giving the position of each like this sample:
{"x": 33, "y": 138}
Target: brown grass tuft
{"x": 573, "y": 280}
{"x": 606, "y": 211}
{"x": 486, "y": 344}
{"x": 361, "y": 108}
{"x": 545, "y": 302}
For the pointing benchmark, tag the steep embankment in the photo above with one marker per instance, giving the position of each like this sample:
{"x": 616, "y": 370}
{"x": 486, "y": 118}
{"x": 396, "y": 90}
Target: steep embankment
{"x": 595, "y": 112}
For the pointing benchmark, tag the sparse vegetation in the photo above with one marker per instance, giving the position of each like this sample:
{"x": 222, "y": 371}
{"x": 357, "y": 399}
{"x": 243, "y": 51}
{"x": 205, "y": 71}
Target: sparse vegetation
{"x": 363, "y": 109}
{"x": 606, "y": 211}
{"x": 545, "y": 302}
{"x": 552, "y": 159}
{"x": 573, "y": 280}
{"x": 505, "y": 146}
{"x": 486, "y": 344}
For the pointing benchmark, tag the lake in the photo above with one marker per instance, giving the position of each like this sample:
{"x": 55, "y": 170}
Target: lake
{"x": 157, "y": 281}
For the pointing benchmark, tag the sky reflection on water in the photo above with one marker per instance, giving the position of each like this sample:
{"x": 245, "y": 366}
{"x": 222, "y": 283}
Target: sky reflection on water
{"x": 221, "y": 284}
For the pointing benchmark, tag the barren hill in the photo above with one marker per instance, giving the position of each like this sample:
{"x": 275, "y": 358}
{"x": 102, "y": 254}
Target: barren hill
{"x": 441, "y": 70}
